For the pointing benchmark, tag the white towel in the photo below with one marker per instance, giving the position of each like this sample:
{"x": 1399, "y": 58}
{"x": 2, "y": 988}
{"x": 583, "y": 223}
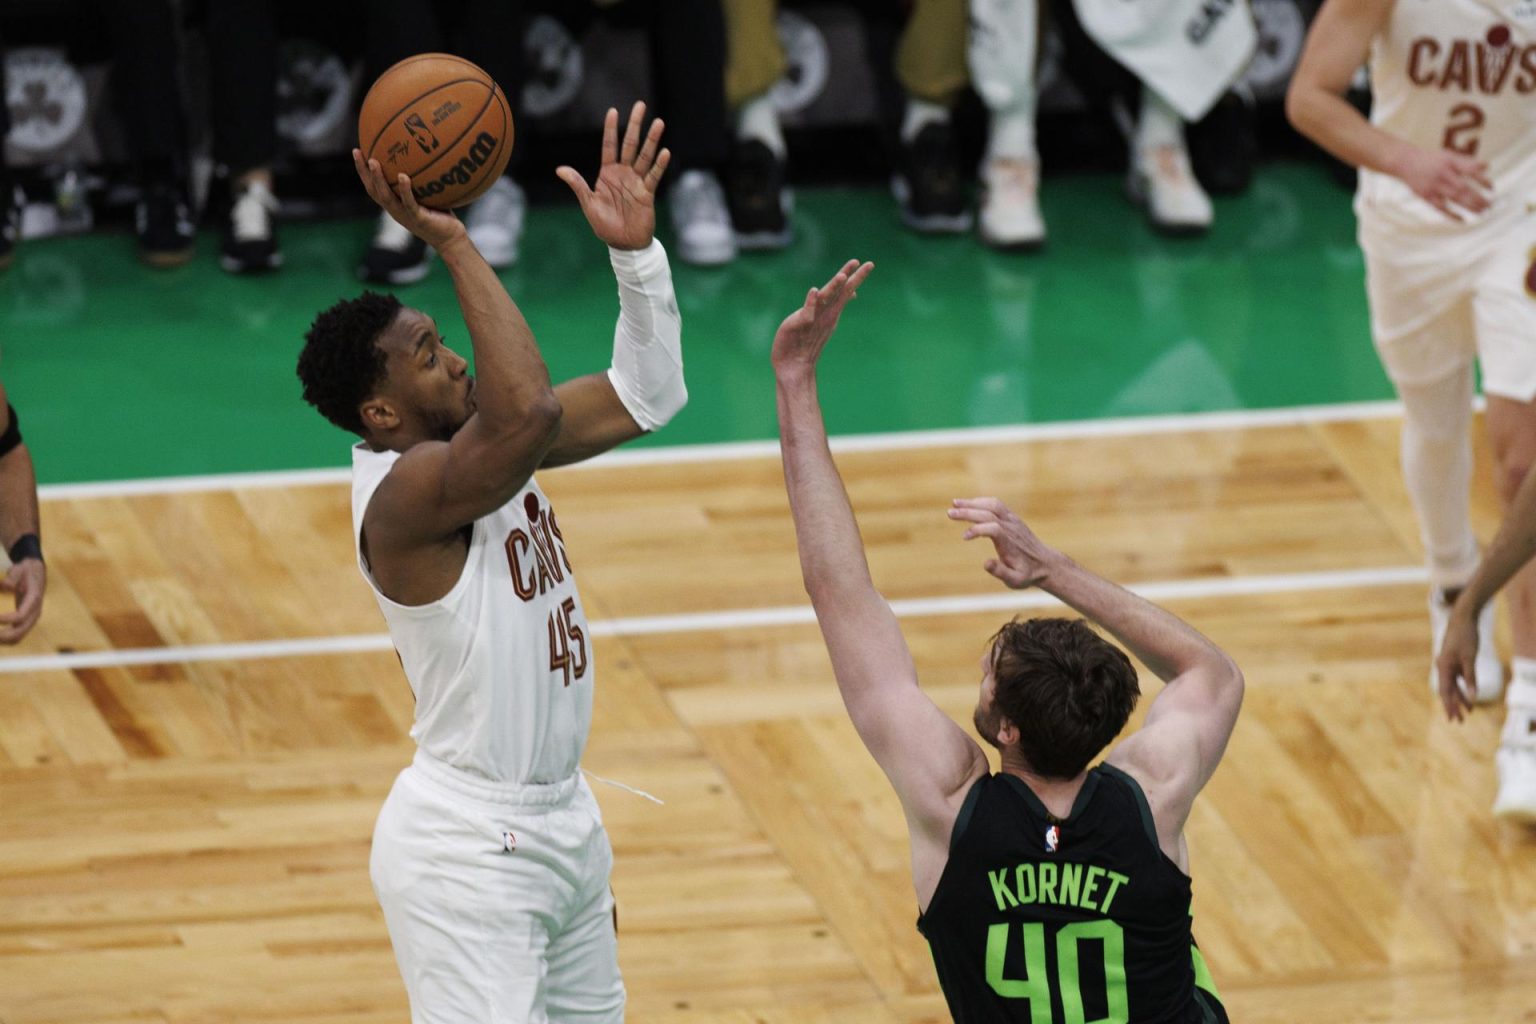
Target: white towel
{"x": 1189, "y": 51}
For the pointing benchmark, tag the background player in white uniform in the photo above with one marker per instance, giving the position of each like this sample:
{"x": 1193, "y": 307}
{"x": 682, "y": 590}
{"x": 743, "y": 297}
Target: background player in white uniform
{"x": 1447, "y": 211}
{"x": 489, "y": 857}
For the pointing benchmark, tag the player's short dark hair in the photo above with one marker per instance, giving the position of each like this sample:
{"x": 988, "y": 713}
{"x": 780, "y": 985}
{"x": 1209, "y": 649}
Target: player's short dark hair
{"x": 1067, "y": 690}
{"x": 342, "y": 364}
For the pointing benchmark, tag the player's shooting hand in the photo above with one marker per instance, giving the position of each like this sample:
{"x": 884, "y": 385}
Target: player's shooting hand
{"x": 622, "y": 206}
{"x": 27, "y": 579}
{"x": 804, "y": 333}
{"x": 1450, "y": 182}
{"x": 438, "y": 228}
{"x": 1023, "y": 559}
{"x": 1457, "y": 661}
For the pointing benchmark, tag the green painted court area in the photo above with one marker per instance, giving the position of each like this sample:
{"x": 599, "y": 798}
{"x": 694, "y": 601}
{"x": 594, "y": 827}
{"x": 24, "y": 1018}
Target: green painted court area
{"x": 119, "y": 371}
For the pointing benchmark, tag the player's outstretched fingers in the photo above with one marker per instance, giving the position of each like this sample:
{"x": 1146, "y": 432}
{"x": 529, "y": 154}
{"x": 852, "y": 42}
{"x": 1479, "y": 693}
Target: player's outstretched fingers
{"x": 632, "y": 133}
{"x": 610, "y": 136}
{"x": 572, "y": 177}
{"x": 653, "y": 176}
{"x": 406, "y": 194}
{"x": 647, "y": 155}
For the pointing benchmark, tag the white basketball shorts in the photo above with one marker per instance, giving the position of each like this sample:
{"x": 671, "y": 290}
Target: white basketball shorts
{"x": 1438, "y": 303}
{"x": 496, "y": 898}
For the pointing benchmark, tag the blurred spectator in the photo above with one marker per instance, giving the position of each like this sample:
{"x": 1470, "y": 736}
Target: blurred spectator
{"x": 1174, "y": 61}
{"x": 929, "y": 64}
{"x": 243, "y": 67}
{"x": 148, "y": 101}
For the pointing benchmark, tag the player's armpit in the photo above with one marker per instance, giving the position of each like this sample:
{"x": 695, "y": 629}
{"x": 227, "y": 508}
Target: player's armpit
{"x": 594, "y": 420}
{"x": 929, "y": 760}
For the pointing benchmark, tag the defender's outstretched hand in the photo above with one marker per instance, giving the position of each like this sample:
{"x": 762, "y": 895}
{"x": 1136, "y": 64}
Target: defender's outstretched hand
{"x": 804, "y": 333}
{"x": 1023, "y": 559}
{"x": 622, "y": 206}
{"x": 435, "y": 227}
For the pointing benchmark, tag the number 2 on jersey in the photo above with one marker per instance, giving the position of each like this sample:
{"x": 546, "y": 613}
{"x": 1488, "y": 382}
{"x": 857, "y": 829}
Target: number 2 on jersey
{"x": 1467, "y": 119}
{"x": 1035, "y": 986}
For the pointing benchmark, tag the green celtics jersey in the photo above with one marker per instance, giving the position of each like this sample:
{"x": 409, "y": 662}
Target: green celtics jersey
{"x": 1039, "y": 920}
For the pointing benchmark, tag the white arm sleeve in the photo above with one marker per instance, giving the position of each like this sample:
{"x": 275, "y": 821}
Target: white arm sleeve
{"x": 647, "y": 369}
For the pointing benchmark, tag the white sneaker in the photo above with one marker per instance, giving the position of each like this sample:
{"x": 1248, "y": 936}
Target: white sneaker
{"x": 495, "y": 222}
{"x": 1516, "y": 761}
{"x": 1010, "y": 204}
{"x": 702, "y": 220}
{"x": 1163, "y": 181}
{"x": 1490, "y": 670}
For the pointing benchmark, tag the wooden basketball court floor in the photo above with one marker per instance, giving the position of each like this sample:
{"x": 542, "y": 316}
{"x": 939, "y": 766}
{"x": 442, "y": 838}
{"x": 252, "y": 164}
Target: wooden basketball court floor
{"x": 184, "y": 829}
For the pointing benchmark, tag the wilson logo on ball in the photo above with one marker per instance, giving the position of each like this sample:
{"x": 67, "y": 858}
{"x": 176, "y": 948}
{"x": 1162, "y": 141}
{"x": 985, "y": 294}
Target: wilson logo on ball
{"x": 480, "y": 154}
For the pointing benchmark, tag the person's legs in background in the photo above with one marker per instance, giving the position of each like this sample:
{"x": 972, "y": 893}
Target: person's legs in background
{"x": 760, "y": 201}
{"x": 688, "y": 67}
{"x": 242, "y": 70}
{"x": 397, "y": 29}
{"x": 928, "y": 61}
{"x": 495, "y": 220}
{"x": 1002, "y": 48}
{"x": 148, "y": 92}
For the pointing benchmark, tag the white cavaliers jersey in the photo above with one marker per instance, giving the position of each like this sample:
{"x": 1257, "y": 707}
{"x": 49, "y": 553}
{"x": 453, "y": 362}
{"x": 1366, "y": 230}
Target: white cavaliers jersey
{"x": 502, "y": 664}
{"x": 1457, "y": 75}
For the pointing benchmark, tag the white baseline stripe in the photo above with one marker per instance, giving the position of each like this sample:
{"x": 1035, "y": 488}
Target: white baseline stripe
{"x": 897, "y": 441}
{"x": 746, "y": 618}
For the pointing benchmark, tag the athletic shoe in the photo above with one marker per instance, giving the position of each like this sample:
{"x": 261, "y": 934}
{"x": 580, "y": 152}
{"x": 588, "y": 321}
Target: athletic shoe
{"x": 760, "y": 203}
{"x": 928, "y": 184}
{"x": 1516, "y": 760}
{"x": 1161, "y": 180}
{"x": 1010, "y": 204}
{"x": 395, "y": 257}
{"x": 10, "y": 228}
{"x": 250, "y": 241}
{"x": 1490, "y": 670}
{"x": 495, "y": 222}
{"x": 163, "y": 223}
{"x": 701, "y": 220}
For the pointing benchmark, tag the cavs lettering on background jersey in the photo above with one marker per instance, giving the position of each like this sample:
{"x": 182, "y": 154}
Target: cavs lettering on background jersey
{"x": 1457, "y": 75}
{"x": 502, "y": 664}
{"x": 1044, "y": 921}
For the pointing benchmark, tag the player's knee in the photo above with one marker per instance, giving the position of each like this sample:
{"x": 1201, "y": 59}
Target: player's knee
{"x": 1513, "y": 465}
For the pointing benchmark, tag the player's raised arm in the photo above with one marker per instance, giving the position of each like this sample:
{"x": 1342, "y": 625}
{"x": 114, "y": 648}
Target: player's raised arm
{"x": 438, "y": 488}
{"x": 643, "y": 389}
{"x": 929, "y": 760}
{"x": 1336, "y": 47}
{"x": 27, "y": 578}
{"x": 1177, "y": 749}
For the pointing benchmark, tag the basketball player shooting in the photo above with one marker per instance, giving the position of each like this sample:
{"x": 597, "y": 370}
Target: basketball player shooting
{"x": 1447, "y": 212}
{"x": 1050, "y": 891}
{"x": 489, "y": 857}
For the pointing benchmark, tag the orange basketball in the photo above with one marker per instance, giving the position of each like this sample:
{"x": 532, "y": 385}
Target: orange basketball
{"x": 443, "y": 121}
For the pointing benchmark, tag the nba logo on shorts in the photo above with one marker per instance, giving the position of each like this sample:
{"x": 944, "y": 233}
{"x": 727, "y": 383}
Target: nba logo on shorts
{"x": 421, "y": 133}
{"x": 1052, "y": 839}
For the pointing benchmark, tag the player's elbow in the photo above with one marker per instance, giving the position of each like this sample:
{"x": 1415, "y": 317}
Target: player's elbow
{"x": 1297, "y": 108}
{"x": 1227, "y": 679}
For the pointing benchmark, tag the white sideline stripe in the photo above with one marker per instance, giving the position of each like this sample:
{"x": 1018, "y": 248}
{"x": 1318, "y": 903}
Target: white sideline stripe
{"x": 1301, "y": 415}
{"x": 746, "y": 618}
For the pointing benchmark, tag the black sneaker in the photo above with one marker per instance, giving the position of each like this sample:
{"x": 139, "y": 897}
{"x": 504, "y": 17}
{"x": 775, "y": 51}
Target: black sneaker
{"x": 250, "y": 241}
{"x": 10, "y": 227}
{"x": 163, "y": 223}
{"x": 928, "y": 183}
{"x": 395, "y": 257}
{"x": 760, "y": 203}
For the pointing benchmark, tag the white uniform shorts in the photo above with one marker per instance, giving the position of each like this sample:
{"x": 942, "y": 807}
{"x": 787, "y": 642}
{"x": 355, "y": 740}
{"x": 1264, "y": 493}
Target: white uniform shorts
{"x": 496, "y": 898}
{"x": 1439, "y": 302}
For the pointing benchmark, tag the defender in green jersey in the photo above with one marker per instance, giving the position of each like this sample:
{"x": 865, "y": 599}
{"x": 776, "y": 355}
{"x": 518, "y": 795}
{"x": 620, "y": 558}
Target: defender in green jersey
{"x": 1051, "y": 892}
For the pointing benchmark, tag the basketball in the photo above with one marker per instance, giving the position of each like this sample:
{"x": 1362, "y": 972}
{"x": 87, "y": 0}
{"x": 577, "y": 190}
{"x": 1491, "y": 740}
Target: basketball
{"x": 441, "y": 120}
